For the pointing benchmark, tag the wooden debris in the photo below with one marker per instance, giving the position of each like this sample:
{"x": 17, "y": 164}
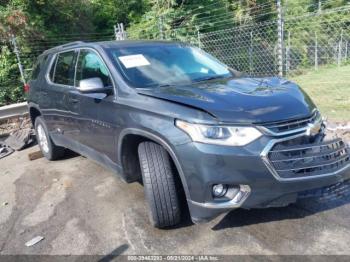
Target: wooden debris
{"x": 67, "y": 183}
{"x": 35, "y": 155}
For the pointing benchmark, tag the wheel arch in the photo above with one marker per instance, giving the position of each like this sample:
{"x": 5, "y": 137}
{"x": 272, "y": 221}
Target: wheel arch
{"x": 148, "y": 136}
{"x": 34, "y": 112}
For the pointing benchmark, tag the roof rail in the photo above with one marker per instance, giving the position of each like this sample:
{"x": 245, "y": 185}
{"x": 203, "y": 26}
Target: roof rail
{"x": 63, "y": 46}
{"x": 72, "y": 43}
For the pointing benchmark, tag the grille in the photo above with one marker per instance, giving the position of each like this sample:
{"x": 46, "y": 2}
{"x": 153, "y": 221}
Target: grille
{"x": 296, "y": 159}
{"x": 286, "y": 126}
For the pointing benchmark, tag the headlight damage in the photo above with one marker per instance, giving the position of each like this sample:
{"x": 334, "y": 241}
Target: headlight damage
{"x": 219, "y": 135}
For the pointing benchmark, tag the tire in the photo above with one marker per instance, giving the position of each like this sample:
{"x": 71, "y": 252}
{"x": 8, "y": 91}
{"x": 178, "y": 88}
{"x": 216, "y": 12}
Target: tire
{"x": 49, "y": 149}
{"x": 159, "y": 185}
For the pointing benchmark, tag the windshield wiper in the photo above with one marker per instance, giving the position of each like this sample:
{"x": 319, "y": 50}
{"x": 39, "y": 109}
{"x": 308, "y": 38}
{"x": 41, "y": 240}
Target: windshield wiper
{"x": 164, "y": 85}
{"x": 207, "y": 78}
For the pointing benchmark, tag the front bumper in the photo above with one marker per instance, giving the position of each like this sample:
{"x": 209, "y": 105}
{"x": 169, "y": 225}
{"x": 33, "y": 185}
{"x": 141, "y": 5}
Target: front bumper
{"x": 205, "y": 165}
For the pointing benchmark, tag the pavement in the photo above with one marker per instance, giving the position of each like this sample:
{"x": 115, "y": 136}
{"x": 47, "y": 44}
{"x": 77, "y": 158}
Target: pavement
{"x": 80, "y": 207}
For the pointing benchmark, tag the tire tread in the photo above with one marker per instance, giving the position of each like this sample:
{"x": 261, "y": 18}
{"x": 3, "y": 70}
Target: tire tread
{"x": 159, "y": 185}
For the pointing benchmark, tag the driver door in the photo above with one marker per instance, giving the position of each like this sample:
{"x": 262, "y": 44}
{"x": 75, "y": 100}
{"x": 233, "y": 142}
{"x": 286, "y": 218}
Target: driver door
{"x": 94, "y": 133}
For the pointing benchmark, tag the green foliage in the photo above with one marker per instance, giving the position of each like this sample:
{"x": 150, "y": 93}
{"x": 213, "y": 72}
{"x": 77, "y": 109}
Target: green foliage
{"x": 329, "y": 88}
{"x": 52, "y": 22}
{"x": 106, "y": 13}
{"x": 183, "y": 19}
{"x": 10, "y": 89}
{"x": 12, "y": 21}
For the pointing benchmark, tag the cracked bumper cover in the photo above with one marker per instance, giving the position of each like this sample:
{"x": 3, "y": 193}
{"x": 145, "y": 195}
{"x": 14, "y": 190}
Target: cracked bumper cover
{"x": 204, "y": 165}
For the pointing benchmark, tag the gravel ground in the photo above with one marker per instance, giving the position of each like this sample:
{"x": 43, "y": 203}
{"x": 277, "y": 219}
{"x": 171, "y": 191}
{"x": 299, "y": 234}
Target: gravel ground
{"x": 80, "y": 207}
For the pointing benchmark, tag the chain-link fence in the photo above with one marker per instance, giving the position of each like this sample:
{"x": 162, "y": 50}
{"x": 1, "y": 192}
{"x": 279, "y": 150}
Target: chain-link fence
{"x": 317, "y": 40}
{"x": 251, "y": 49}
{"x": 308, "y": 43}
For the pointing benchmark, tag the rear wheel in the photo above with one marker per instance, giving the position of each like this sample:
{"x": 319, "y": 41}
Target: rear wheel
{"x": 47, "y": 147}
{"x": 159, "y": 185}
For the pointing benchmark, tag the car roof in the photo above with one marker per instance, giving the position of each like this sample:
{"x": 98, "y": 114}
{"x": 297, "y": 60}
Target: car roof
{"x": 107, "y": 44}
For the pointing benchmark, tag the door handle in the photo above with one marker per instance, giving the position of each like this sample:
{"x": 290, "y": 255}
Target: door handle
{"x": 73, "y": 100}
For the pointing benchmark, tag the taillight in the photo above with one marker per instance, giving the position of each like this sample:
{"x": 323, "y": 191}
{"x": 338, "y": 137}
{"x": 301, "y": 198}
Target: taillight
{"x": 26, "y": 88}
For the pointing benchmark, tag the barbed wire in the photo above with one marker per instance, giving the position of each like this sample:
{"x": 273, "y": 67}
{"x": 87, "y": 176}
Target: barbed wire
{"x": 253, "y": 47}
{"x": 72, "y": 36}
{"x": 244, "y": 10}
{"x": 324, "y": 12}
{"x": 231, "y": 5}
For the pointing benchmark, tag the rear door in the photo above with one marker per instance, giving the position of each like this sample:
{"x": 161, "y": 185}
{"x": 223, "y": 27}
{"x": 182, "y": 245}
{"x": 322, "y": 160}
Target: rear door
{"x": 55, "y": 101}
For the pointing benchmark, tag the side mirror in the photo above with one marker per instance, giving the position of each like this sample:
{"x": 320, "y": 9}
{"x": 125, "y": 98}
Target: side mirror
{"x": 92, "y": 85}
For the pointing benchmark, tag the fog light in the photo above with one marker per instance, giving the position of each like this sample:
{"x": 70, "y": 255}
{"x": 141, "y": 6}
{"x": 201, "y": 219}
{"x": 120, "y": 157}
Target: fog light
{"x": 219, "y": 190}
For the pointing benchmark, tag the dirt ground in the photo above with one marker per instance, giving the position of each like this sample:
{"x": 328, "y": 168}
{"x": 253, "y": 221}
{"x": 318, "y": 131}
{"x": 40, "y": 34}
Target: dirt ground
{"x": 80, "y": 207}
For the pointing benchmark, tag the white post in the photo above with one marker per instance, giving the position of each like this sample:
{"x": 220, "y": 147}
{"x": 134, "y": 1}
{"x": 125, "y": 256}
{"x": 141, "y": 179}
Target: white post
{"x": 16, "y": 51}
{"x": 319, "y": 6}
{"x": 316, "y": 52}
{"x": 199, "y": 38}
{"x": 251, "y": 54}
{"x": 288, "y": 54}
{"x": 340, "y": 48}
{"x": 123, "y": 33}
{"x": 119, "y": 32}
{"x": 116, "y": 32}
{"x": 280, "y": 38}
{"x": 160, "y": 24}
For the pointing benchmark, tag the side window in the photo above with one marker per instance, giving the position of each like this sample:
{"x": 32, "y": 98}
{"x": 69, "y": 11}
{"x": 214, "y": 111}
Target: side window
{"x": 90, "y": 65}
{"x": 64, "y": 70}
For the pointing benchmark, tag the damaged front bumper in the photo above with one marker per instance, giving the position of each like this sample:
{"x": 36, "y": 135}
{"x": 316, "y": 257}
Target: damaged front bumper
{"x": 269, "y": 172}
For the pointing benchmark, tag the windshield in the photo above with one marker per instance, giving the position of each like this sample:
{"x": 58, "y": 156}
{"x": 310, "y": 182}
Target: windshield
{"x": 161, "y": 65}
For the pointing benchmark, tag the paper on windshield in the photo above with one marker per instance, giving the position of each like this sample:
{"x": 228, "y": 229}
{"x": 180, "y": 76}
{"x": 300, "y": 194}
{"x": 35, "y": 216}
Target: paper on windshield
{"x": 131, "y": 61}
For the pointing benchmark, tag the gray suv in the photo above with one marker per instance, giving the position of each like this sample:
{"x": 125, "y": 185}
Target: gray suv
{"x": 185, "y": 125}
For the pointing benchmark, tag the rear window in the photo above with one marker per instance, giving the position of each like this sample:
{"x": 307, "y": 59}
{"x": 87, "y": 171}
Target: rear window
{"x": 37, "y": 67}
{"x": 63, "y": 71}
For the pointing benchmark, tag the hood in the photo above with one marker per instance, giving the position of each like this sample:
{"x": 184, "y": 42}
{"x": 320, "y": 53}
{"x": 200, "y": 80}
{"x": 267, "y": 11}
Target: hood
{"x": 246, "y": 100}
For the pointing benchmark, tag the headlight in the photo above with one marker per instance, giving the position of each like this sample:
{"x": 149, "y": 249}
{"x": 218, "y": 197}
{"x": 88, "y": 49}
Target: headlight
{"x": 219, "y": 135}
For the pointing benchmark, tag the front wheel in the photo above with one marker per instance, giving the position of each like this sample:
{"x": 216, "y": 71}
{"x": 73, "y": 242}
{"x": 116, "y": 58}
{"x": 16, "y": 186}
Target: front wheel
{"x": 47, "y": 146}
{"x": 159, "y": 185}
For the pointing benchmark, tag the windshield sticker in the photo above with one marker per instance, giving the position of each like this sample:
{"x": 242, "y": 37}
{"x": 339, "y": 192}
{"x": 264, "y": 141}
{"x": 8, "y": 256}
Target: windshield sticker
{"x": 131, "y": 61}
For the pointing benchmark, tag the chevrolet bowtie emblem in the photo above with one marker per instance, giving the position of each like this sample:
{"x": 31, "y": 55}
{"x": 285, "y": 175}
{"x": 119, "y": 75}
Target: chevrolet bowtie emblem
{"x": 313, "y": 129}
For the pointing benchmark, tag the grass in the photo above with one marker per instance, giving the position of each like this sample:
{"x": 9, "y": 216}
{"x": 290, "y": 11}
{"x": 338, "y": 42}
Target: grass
{"x": 329, "y": 88}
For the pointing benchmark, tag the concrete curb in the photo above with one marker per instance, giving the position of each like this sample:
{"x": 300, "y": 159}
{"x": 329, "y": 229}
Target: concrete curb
{"x": 13, "y": 110}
